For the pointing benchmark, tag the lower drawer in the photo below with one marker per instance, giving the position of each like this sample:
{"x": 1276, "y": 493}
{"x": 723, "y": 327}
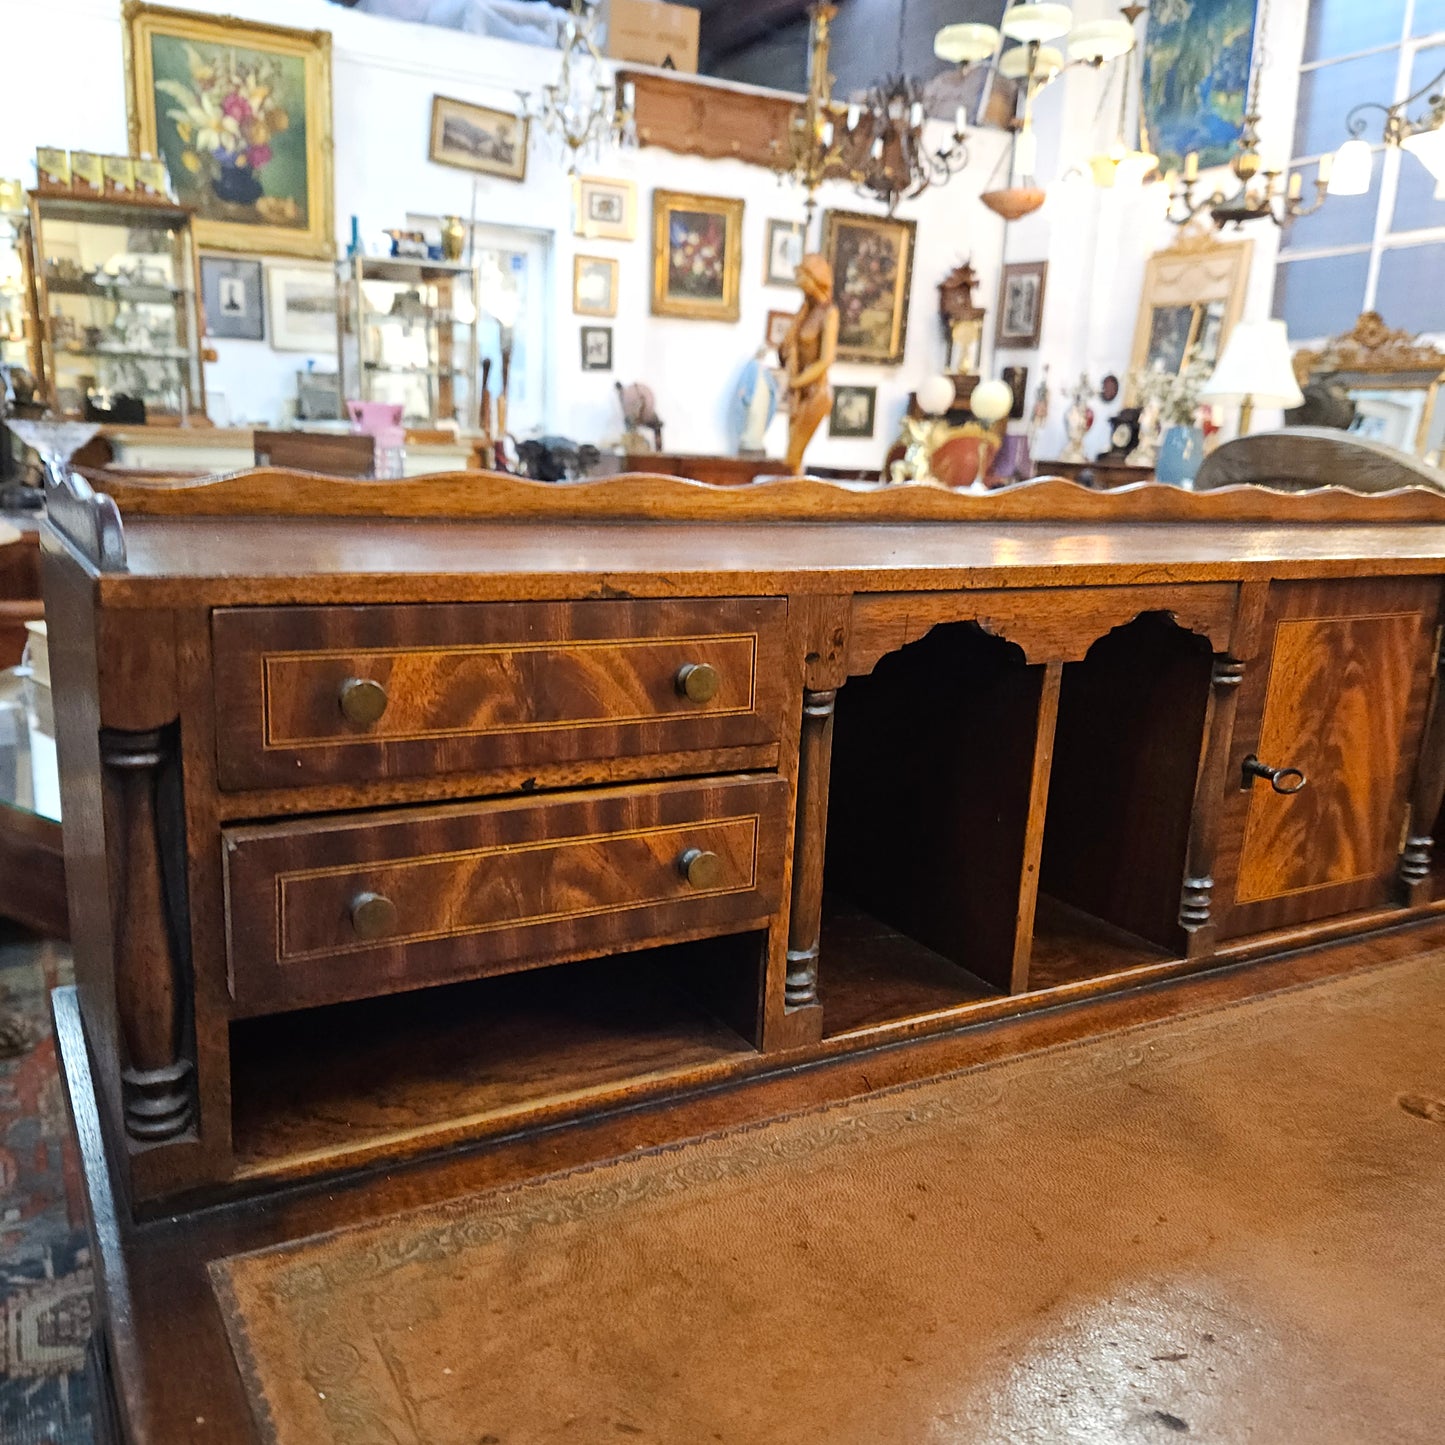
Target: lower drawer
{"x": 368, "y": 904}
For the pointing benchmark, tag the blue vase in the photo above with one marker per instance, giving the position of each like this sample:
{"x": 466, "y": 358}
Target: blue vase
{"x": 1181, "y": 454}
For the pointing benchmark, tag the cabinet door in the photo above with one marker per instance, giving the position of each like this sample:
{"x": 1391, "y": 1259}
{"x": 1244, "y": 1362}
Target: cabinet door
{"x": 1338, "y": 691}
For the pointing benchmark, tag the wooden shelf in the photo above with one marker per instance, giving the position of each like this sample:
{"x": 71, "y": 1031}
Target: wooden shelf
{"x": 872, "y": 974}
{"x": 1071, "y": 946}
{"x": 341, "y": 1084}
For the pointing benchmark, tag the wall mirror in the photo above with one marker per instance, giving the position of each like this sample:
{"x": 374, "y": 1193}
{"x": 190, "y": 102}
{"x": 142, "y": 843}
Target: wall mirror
{"x": 1392, "y": 379}
{"x": 1193, "y": 295}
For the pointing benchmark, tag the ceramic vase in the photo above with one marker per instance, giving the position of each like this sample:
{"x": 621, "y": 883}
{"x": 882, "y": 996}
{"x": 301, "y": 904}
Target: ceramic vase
{"x": 1181, "y": 454}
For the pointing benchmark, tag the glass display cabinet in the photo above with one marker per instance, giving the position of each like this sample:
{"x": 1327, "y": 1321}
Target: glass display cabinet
{"x": 407, "y": 335}
{"x": 13, "y": 351}
{"x": 115, "y": 283}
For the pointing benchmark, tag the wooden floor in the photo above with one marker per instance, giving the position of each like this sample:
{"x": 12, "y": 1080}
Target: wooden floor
{"x": 167, "y": 1344}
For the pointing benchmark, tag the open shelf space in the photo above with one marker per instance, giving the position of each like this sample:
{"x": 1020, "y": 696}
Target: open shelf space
{"x": 877, "y": 975}
{"x": 340, "y": 1082}
{"x": 1126, "y": 755}
{"x": 928, "y": 812}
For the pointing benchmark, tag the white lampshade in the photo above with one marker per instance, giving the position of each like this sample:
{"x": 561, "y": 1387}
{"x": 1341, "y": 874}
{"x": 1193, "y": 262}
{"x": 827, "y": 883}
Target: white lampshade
{"x": 991, "y": 401}
{"x": 1255, "y": 367}
{"x": 1037, "y": 22}
{"x": 964, "y": 43}
{"x": 1101, "y": 40}
{"x": 935, "y": 395}
{"x": 1428, "y": 147}
{"x": 1353, "y": 163}
{"x": 1014, "y": 64}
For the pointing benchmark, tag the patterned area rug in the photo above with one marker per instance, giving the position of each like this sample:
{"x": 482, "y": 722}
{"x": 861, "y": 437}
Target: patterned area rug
{"x": 45, "y": 1283}
{"x": 1222, "y": 1227}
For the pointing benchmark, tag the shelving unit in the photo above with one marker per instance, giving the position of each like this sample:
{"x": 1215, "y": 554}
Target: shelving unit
{"x": 407, "y": 335}
{"x": 123, "y": 275}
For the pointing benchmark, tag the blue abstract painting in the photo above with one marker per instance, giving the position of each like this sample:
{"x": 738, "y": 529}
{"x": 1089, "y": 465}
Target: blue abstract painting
{"x": 1196, "y": 77}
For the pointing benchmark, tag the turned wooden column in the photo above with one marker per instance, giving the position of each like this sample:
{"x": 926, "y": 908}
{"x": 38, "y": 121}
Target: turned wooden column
{"x": 815, "y": 756}
{"x": 1418, "y": 855}
{"x": 145, "y": 832}
{"x": 1197, "y": 898}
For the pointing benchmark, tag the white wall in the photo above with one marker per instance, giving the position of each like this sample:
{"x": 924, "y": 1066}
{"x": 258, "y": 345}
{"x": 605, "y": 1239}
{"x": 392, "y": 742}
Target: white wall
{"x": 65, "y": 87}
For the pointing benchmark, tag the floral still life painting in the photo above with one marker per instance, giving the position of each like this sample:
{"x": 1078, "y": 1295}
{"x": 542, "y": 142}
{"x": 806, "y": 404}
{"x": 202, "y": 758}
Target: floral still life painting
{"x": 241, "y": 115}
{"x": 1196, "y": 78}
{"x": 872, "y": 261}
{"x": 697, "y": 256}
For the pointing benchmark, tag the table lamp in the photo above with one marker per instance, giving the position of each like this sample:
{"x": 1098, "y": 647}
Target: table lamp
{"x": 1255, "y": 369}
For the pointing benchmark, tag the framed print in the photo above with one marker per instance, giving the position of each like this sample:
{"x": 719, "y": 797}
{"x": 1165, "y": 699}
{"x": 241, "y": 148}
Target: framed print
{"x": 605, "y": 210}
{"x": 696, "y": 256}
{"x": 477, "y": 138}
{"x": 241, "y": 114}
{"x": 778, "y": 323}
{"x": 1021, "y": 304}
{"x": 853, "y": 409}
{"x": 303, "y": 308}
{"x": 594, "y": 286}
{"x": 232, "y": 300}
{"x": 872, "y": 261}
{"x": 785, "y": 251}
{"x": 596, "y": 348}
{"x": 1193, "y": 296}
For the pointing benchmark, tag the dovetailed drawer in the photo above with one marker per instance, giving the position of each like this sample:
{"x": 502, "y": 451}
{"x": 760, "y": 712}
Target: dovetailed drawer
{"x": 366, "y": 904}
{"x": 352, "y": 694}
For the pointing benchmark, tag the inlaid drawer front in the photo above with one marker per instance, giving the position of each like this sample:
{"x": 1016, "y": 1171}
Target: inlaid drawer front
{"x": 323, "y": 694}
{"x": 366, "y": 904}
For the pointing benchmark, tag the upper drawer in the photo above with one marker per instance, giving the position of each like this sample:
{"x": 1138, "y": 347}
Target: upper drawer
{"x": 340, "y": 694}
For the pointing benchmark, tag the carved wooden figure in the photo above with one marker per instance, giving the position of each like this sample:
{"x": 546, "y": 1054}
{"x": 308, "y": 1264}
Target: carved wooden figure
{"x": 808, "y": 353}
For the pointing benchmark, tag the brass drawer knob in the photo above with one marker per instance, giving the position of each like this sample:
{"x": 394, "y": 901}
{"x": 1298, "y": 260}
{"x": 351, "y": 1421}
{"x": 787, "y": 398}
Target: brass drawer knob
{"x": 1283, "y": 780}
{"x": 363, "y": 700}
{"x": 698, "y": 681}
{"x": 701, "y": 869}
{"x": 372, "y": 915}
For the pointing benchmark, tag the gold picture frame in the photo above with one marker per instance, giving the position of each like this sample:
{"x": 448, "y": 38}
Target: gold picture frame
{"x": 258, "y": 180}
{"x": 479, "y": 138}
{"x": 872, "y": 298}
{"x": 1193, "y": 297}
{"x": 587, "y": 271}
{"x": 697, "y": 256}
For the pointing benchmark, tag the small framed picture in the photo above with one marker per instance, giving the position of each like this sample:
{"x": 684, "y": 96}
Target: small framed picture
{"x": 853, "y": 408}
{"x": 596, "y": 348}
{"x": 778, "y": 323}
{"x": 606, "y": 210}
{"x": 1021, "y": 304}
{"x": 594, "y": 286}
{"x": 303, "y": 308}
{"x": 785, "y": 251}
{"x": 477, "y": 138}
{"x": 231, "y": 295}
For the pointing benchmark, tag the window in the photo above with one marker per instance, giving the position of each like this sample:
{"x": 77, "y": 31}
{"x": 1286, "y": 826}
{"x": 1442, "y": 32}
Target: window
{"x": 1383, "y": 251}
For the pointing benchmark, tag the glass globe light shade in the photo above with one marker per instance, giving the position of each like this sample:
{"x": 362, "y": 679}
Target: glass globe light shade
{"x": 1428, "y": 147}
{"x": 1353, "y": 162}
{"x": 962, "y": 44}
{"x": 1014, "y": 64}
{"x": 1133, "y": 168}
{"x": 1100, "y": 40}
{"x": 1028, "y": 22}
{"x": 991, "y": 401}
{"x": 935, "y": 395}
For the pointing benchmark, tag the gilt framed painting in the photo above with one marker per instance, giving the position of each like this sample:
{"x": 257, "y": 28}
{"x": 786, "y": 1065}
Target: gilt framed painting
{"x": 872, "y": 261}
{"x": 478, "y": 138}
{"x": 241, "y": 114}
{"x": 696, "y": 256}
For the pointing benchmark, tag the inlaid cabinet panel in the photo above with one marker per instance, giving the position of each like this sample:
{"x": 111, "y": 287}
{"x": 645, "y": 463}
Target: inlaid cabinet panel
{"x": 350, "y": 694}
{"x": 320, "y": 911}
{"x": 1326, "y": 739}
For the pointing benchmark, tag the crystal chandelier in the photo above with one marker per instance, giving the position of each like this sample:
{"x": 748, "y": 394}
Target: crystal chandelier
{"x": 582, "y": 109}
{"x": 1262, "y": 192}
{"x": 1034, "y": 63}
{"x": 877, "y": 143}
{"x": 1423, "y": 138}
